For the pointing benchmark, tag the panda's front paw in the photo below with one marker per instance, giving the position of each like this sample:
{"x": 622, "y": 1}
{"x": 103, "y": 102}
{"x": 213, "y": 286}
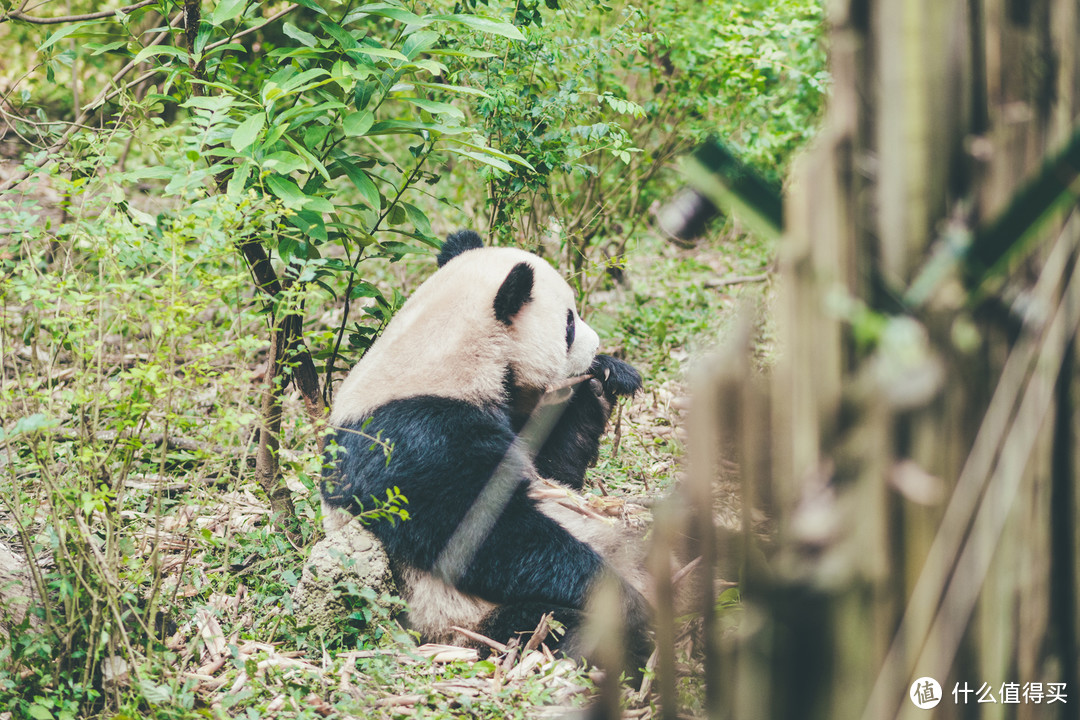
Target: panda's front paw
{"x": 616, "y": 377}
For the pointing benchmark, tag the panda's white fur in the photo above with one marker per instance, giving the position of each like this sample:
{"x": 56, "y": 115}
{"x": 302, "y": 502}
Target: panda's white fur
{"x": 453, "y": 367}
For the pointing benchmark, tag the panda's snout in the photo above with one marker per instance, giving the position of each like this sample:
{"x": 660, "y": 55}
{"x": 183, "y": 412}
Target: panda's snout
{"x": 582, "y": 352}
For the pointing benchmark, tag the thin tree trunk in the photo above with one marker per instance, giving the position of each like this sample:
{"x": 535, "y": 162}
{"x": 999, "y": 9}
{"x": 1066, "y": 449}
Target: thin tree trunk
{"x": 288, "y": 340}
{"x": 267, "y": 467}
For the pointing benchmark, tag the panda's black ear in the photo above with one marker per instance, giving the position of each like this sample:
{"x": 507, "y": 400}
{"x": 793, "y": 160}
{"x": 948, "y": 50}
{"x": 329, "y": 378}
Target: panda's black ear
{"x": 457, "y": 243}
{"x": 516, "y": 290}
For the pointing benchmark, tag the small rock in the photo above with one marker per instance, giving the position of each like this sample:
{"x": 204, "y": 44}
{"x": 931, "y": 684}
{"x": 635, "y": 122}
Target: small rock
{"x": 17, "y": 591}
{"x": 349, "y": 554}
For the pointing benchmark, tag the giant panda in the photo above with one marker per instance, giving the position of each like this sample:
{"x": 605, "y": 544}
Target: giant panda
{"x": 448, "y": 391}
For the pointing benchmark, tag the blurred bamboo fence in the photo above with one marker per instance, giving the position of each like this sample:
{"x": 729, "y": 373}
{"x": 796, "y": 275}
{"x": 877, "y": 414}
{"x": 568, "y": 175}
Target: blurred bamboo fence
{"x": 917, "y": 446}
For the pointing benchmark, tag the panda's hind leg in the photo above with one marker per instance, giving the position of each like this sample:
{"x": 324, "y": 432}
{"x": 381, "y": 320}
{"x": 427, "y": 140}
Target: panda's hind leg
{"x": 529, "y": 560}
{"x": 568, "y": 638}
{"x": 522, "y": 618}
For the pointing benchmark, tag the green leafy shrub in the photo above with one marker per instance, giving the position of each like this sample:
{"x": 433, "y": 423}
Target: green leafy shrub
{"x": 602, "y": 97}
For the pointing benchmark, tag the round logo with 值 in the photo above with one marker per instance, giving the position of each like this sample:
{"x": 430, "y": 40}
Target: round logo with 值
{"x": 925, "y": 693}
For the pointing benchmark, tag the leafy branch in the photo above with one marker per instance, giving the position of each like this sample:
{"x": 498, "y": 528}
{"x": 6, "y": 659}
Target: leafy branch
{"x": 60, "y": 20}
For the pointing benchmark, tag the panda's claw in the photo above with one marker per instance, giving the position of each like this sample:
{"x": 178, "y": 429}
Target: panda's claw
{"x": 618, "y": 378}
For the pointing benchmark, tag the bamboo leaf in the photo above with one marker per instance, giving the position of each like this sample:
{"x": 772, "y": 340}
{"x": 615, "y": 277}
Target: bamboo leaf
{"x": 400, "y": 127}
{"x": 62, "y": 33}
{"x": 419, "y": 42}
{"x": 482, "y": 158}
{"x": 382, "y": 52}
{"x": 148, "y": 52}
{"x": 385, "y": 10}
{"x": 340, "y": 34}
{"x": 357, "y": 123}
{"x": 284, "y": 162}
{"x": 435, "y": 107}
{"x": 307, "y": 155}
{"x": 293, "y": 83}
{"x": 492, "y": 152}
{"x": 418, "y": 219}
{"x": 459, "y": 89}
{"x": 286, "y": 191}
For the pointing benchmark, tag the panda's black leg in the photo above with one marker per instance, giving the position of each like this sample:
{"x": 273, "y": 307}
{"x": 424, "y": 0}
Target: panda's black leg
{"x": 517, "y": 619}
{"x": 574, "y": 443}
{"x": 530, "y": 561}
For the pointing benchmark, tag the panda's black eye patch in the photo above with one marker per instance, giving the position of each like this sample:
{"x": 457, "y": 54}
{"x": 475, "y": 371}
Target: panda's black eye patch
{"x": 571, "y": 328}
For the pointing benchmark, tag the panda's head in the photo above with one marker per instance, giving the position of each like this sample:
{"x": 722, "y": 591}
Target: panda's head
{"x": 533, "y": 306}
{"x": 491, "y": 322}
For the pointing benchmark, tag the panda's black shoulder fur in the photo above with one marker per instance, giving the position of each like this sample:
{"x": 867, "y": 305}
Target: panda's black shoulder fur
{"x": 457, "y": 243}
{"x": 440, "y": 453}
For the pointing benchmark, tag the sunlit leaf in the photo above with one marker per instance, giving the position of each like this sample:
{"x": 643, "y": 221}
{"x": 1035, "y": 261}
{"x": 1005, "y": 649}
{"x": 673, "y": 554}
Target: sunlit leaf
{"x": 284, "y": 162}
{"x": 482, "y": 158}
{"x": 319, "y": 204}
{"x": 357, "y": 123}
{"x": 362, "y": 182}
{"x": 63, "y": 33}
{"x": 307, "y": 155}
{"x": 418, "y": 218}
{"x": 382, "y": 52}
{"x": 384, "y": 10}
{"x": 226, "y": 10}
{"x": 155, "y": 50}
{"x": 432, "y": 66}
{"x": 418, "y": 42}
{"x": 286, "y": 191}
{"x": 293, "y": 83}
{"x": 398, "y": 127}
{"x": 340, "y": 34}
{"x": 492, "y": 152}
{"x": 483, "y": 24}
{"x": 460, "y": 89}
{"x": 107, "y": 47}
{"x": 311, "y": 5}
{"x": 436, "y": 107}
{"x": 238, "y": 181}
{"x": 310, "y": 223}
{"x": 304, "y": 38}
{"x": 247, "y": 131}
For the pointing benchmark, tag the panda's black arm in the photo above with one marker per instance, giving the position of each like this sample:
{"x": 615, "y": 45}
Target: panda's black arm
{"x": 574, "y": 442}
{"x": 531, "y": 563}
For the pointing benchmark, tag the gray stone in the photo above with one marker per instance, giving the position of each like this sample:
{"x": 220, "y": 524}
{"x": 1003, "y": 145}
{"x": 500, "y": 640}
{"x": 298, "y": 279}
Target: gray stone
{"x": 348, "y": 554}
{"x": 17, "y": 591}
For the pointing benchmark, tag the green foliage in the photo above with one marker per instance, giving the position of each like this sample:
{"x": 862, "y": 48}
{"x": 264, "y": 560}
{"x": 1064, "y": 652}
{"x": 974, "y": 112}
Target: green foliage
{"x": 369, "y": 618}
{"x": 333, "y": 123}
{"x": 602, "y": 97}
